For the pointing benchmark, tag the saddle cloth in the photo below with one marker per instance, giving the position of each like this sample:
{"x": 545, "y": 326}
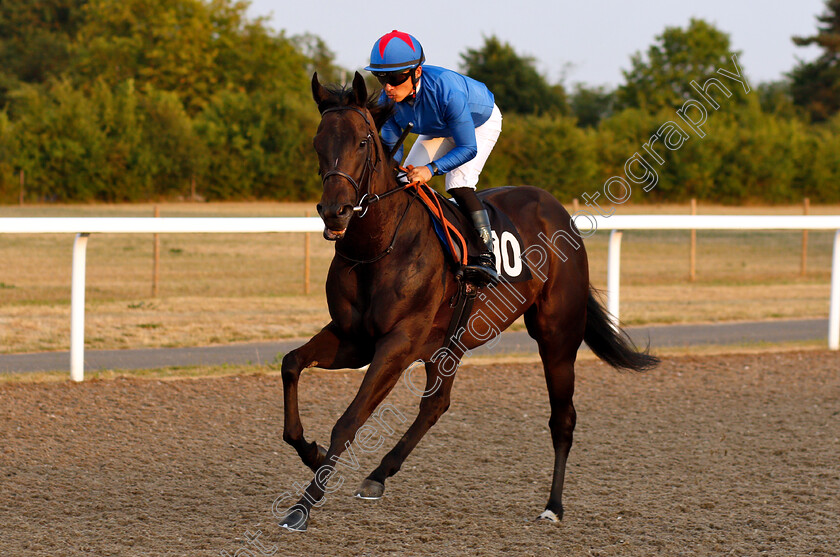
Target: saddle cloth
{"x": 457, "y": 234}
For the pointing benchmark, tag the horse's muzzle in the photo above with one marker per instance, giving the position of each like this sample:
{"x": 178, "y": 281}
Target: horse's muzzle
{"x": 335, "y": 220}
{"x": 333, "y": 235}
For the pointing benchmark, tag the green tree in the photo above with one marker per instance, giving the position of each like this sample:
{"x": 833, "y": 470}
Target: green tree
{"x": 816, "y": 85}
{"x": 105, "y": 144}
{"x": 176, "y": 153}
{"x": 35, "y": 40}
{"x": 61, "y": 143}
{"x": 321, "y": 59}
{"x": 192, "y": 48}
{"x": 820, "y": 168}
{"x": 775, "y": 98}
{"x": 259, "y": 146}
{"x": 7, "y": 153}
{"x": 127, "y": 100}
{"x": 547, "y": 151}
{"x": 663, "y": 78}
{"x": 167, "y": 44}
{"x": 590, "y": 105}
{"x": 513, "y": 79}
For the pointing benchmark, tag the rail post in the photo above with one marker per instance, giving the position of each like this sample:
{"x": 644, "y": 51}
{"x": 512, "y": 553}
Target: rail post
{"x": 77, "y": 309}
{"x": 834, "y": 301}
{"x": 803, "y": 263}
{"x": 306, "y": 258}
{"x": 614, "y": 275}
{"x": 156, "y": 259}
{"x": 692, "y": 252}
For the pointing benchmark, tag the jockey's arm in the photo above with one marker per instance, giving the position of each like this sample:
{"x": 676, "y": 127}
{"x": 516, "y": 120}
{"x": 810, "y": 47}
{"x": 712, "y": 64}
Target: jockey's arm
{"x": 460, "y": 123}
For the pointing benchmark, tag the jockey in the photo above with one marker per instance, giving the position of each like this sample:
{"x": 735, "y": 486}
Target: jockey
{"x": 457, "y": 121}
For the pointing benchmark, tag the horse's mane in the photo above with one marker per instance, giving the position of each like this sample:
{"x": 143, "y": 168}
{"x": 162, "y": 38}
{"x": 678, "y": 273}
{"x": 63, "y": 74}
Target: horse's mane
{"x": 343, "y": 96}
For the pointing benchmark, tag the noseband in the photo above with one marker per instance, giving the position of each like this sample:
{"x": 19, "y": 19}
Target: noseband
{"x": 368, "y": 169}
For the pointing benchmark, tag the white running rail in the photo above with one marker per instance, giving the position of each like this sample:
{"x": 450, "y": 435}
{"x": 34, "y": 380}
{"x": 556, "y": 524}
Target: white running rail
{"x": 84, "y": 227}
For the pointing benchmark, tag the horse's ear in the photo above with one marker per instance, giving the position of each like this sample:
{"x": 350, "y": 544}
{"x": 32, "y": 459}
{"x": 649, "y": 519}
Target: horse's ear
{"x": 319, "y": 92}
{"x": 360, "y": 90}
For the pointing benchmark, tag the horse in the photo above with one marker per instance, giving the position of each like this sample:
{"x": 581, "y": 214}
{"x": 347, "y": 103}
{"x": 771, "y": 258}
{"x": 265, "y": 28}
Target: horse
{"x": 390, "y": 292}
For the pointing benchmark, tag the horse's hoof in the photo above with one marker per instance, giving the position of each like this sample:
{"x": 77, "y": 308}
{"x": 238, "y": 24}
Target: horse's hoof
{"x": 549, "y": 516}
{"x": 370, "y": 489}
{"x": 296, "y": 520}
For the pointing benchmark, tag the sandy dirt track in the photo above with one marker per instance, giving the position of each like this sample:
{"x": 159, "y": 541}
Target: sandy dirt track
{"x": 713, "y": 455}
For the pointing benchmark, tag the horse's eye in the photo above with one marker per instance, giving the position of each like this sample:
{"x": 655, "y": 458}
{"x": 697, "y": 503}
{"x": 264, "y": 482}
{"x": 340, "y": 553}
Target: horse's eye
{"x": 363, "y": 143}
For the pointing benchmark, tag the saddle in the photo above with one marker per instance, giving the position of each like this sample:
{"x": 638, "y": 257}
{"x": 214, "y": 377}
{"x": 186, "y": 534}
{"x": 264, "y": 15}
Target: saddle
{"x": 457, "y": 238}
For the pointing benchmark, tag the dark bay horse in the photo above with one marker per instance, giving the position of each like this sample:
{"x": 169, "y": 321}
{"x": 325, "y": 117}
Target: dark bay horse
{"x": 389, "y": 291}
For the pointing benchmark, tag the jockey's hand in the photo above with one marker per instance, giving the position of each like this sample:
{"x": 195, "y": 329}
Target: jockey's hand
{"x": 420, "y": 174}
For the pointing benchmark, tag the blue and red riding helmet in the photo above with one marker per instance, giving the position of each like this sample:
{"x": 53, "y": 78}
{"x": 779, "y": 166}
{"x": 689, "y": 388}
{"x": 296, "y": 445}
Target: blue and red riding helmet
{"x": 394, "y": 52}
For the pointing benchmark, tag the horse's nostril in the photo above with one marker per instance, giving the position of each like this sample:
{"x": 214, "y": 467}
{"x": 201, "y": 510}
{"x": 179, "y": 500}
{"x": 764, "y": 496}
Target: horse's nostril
{"x": 345, "y": 210}
{"x": 319, "y": 208}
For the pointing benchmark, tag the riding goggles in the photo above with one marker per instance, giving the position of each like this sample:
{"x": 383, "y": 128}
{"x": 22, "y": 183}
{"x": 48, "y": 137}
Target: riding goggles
{"x": 393, "y": 79}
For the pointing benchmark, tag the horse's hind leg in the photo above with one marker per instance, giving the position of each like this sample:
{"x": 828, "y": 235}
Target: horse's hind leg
{"x": 435, "y": 401}
{"x": 558, "y": 350}
{"x": 328, "y": 350}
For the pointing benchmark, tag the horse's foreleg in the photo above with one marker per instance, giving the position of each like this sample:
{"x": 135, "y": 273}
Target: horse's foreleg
{"x": 392, "y": 355}
{"x": 327, "y": 350}
{"x": 435, "y": 401}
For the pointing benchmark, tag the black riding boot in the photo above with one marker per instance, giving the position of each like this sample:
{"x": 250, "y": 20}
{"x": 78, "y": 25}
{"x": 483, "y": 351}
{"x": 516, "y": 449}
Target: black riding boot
{"x": 483, "y": 272}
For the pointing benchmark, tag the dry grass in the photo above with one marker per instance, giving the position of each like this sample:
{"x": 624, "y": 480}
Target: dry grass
{"x": 234, "y": 287}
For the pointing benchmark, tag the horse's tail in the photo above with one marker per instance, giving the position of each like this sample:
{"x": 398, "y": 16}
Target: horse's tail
{"x": 613, "y": 345}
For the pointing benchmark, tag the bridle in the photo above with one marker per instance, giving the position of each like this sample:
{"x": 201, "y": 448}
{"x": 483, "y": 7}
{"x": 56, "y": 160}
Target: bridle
{"x": 368, "y": 169}
{"x": 366, "y": 199}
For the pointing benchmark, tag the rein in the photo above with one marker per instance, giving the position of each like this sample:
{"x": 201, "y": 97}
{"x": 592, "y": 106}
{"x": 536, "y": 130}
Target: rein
{"x": 415, "y": 189}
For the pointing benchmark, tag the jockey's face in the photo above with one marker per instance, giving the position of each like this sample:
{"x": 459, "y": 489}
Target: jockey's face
{"x": 398, "y": 93}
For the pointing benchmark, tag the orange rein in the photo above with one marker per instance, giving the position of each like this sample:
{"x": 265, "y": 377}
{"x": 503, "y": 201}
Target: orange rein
{"x": 425, "y": 193}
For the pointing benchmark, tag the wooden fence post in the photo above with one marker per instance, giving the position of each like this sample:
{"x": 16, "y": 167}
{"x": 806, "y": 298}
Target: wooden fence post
{"x": 806, "y": 206}
{"x": 692, "y": 257}
{"x": 156, "y": 265}
{"x": 21, "y": 186}
{"x": 306, "y": 257}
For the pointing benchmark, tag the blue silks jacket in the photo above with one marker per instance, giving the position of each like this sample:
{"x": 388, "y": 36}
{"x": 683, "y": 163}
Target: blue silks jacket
{"x": 447, "y": 104}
